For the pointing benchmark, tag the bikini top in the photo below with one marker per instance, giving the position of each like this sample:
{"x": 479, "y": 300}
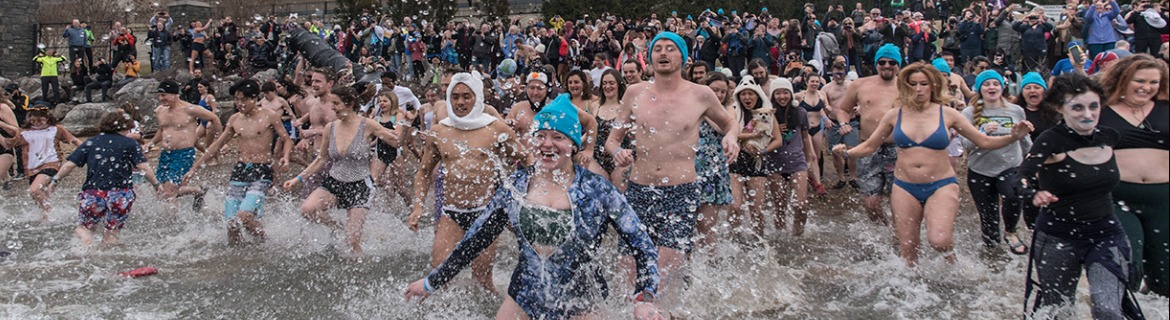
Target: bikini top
{"x": 354, "y": 164}
{"x": 939, "y": 140}
{"x": 817, "y": 108}
{"x": 197, "y": 35}
{"x": 545, "y": 226}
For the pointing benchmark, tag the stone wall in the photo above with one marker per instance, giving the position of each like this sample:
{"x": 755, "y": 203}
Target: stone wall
{"x": 184, "y": 11}
{"x": 18, "y": 37}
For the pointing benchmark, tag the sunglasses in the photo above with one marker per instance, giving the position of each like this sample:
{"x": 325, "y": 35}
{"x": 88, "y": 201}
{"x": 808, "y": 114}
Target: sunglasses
{"x": 887, "y": 63}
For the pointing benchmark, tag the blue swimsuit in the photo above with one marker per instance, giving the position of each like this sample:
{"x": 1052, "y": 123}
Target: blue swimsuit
{"x": 939, "y": 140}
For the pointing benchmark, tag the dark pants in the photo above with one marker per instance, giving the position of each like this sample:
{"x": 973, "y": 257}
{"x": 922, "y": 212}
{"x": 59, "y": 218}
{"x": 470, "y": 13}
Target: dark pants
{"x": 987, "y": 193}
{"x": 55, "y": 84}
{"x": 1144, "y": 212}
{"x": 76, "y": 52}
{"x": 1058, "y": 269}
{"x": 420, "y": 69}
{"x": 736, "y": 64}
{"x": 89, "y": 57}
{"x": 104, "y": 85}
{"x": 1147, "y": 45}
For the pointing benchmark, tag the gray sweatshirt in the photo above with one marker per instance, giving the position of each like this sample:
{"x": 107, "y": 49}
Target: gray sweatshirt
{"x": 993, "y": 162}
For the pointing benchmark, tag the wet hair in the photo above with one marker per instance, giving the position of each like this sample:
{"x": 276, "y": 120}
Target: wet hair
{"x": 290, "y": 88}
{"x": 1117, "y": 79}
{"x": 621, "y": 84}
{"x": 756, "y": 63}
{"x": 268, "y": 86}
{"x": 43, "y": 113}
{"x": 586, "y": 83}
{"x": 933, "y": 76}
{"x": 207, "y": 84}
{"x": 348, "y": 96}
{"x": 132, "y": 110}
{"x": 330, "y": 76}
{"x": 116, "y": 121}
{"x": 1066, "y": 86}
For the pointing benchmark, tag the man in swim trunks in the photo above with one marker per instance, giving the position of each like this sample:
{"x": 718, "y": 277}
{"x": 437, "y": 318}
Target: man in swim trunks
{"x": 474, "y": 148}
{"x": 256, "y": 128}
{"x": 835, "y": 91}
{"x": 177, "y": 122}
{"x": 665, "y": 115}
{"x": 872, "y": 97}
{"x": 320, "y": 114}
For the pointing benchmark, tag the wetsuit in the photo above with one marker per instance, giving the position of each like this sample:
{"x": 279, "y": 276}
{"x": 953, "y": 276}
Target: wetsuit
{"x": 1079, "y": 231}
{"x": 568, "y": 282}
{"x": 1144, "y": 209}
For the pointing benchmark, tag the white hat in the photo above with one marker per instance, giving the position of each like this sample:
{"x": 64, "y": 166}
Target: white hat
{"x": 474, "y": 120}
{"x": 536, "y": 76}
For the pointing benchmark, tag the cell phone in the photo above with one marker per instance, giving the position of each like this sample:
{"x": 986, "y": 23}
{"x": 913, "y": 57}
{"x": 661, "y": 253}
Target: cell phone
{"x": 1078, "y": 55}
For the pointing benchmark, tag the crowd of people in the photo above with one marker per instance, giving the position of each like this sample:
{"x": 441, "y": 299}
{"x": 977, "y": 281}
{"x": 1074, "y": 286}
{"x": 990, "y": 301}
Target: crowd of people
{"x": 663, "y": 129}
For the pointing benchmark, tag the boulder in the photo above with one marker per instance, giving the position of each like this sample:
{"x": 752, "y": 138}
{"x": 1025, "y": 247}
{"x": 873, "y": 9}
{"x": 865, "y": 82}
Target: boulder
{"x": 85, "y": 119}
{"x": 61, "y": 110}
{"x": 142, "y": 95}
{"x": 29, "y": 84}
{"x": 265, "y": 76}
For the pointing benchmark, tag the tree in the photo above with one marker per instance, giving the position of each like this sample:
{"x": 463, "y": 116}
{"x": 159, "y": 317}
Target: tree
{"x": 496, "y": 8}
{"x": 351, "y": 10}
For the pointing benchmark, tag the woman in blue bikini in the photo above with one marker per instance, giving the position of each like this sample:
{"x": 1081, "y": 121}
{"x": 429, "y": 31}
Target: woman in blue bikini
{"x": 923, "y": 174}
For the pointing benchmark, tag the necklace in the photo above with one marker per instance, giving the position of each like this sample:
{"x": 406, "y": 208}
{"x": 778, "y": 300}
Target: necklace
{"x": 1138, "y": 114}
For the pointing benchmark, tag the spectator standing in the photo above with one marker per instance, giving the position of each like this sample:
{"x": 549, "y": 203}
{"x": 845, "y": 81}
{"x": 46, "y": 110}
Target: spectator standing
{"x": 1032, "y": 40}
{"x": 75, "y": 35}
{"x": 1149, "y": 24}
{"x": 160, "y": 41}
{"x": 1098, "y": 27}
{"x": 49, "y": 79}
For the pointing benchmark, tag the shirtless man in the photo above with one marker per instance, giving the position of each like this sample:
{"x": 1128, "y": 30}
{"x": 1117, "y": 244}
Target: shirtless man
{"x": 872, "y": 97}
{"x": 320, "y": 114}
{"x": 835, "y": 91}
{"x": 957, "y": 81}
{"x": 665, "y": 116}
{"x": 272, "y": 102}
{"x": 520, "y": 119}
{"x": 474, "y": 149}
{"x": 177, "y": 122}
{"x": 632, "y": 72}
{"x": 257, "y": 128}
{"x": 8, "y": 128}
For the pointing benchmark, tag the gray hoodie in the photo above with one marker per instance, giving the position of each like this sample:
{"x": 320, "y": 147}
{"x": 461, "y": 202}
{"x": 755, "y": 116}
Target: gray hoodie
{"x": 993, "y": 162}
{"x": 76, "y": 36}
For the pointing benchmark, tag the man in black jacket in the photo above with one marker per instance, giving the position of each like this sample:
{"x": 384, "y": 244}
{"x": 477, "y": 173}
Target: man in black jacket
{"x": 487, "y": 43}
{"x": 260, "y": 54}
{"x": 103, "y": 80}
{"x": 160, "y": 46}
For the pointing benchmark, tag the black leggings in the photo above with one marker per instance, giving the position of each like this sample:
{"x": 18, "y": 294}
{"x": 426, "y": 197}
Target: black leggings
{"x": 987, "y": 193}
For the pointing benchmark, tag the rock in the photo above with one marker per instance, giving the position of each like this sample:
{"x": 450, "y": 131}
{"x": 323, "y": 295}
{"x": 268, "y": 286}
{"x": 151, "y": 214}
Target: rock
{"x": 29, "y": 84}
{"x": 61, "y": 110}
{"x": 83, "y": 119}
{"x": 265, "y": 76}
{"x": 226, "y": 110}
{"x": 142, "y": 95}
{"x": 221, "y": 87}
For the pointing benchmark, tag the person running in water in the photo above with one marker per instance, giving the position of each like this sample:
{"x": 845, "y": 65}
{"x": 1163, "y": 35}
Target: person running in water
{"x": 108, "y": 192}
{"x": 178, "y": 122}
{"x": 347, "y": 184}
{"x": 665, "y": 117}
{"x": 256, "y": 129}
{"x": 559, "y": 212}
{"x": 926, "y": 187}
{"x": 472, "y": 146}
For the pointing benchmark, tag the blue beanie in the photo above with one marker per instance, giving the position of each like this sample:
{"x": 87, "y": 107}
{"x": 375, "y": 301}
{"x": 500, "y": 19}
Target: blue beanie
{"x": 888, "y": 51}
{"x": 1033, "y": 77}
{"x": 720, "y": 12}
{"x": 942, "y": 66}
{"x": 560, "y": 115}
{"x": 984, "y": 76}
{"x": 673, "y": 37}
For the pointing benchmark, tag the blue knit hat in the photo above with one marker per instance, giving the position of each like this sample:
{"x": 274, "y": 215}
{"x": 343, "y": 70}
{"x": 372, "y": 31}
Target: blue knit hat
{"x": 1033, "y": 78}
{"x": 888, "y": 51}
{"x": 673, "y": 37}
{"x": 942, "y": 66}
{"x": 560, "y": 115}
{"x": 984, "y": 76}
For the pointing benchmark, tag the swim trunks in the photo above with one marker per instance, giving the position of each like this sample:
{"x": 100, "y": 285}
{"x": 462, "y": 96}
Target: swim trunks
{"x": 109, "y": 206}
{"x": 357, "y": 194}
{"x": 173, "y": 164}
{"x": 667, "y": 211}
{"x": 45, "y": 172}
{"x": 247, "y": 188}
{"x": 875, "y": 173}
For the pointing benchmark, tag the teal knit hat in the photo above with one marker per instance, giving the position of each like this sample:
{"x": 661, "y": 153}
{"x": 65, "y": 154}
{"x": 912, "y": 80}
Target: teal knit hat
{"x": 984, "y": 76}
{"x": 942, "y": 66}
{"x": 1033, "y": 78}
{"x": 673, "y": 37}
{"x": 888, "y": 51}
{"x": 560, "y": 115}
